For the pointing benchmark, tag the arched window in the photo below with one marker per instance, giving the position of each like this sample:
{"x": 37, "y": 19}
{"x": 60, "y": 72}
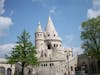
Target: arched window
{"x": 45, "y": 55}
{"x": 46, "y": 64}
{"x": 48, "y": 34}
{"x": 40, "y": 35}
{"x": 2, "y": 71}
{"x": 9, "y": 71}
{"x": 71, "y": 68}
{"x": 54, "y": 45}
{"x": 54, "y": 35}
{"x": 49, "y": 46}
{"x": 50, "y": 65}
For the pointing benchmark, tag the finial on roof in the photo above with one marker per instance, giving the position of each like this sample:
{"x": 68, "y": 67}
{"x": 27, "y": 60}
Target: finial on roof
{"x": 39, "y": 29}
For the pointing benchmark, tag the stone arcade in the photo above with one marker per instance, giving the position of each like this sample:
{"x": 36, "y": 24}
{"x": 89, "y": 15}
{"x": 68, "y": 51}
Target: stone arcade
{"x": 6, "y": 69}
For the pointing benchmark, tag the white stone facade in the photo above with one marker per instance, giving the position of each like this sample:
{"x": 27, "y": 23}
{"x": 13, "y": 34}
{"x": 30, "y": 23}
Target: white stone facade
{"x": 6, "y": 69}
{"x": 54, "y": 59}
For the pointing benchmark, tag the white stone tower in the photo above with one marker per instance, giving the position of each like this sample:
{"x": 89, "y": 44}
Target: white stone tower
{"x": 39, "y": 39}
{"x": 54, "y": 59}
{"x": 52, "y": 40}
{"x": 48, "y": 40}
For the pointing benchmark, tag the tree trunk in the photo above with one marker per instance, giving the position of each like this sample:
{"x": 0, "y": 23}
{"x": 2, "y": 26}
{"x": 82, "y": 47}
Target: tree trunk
{"x": 23, "y": 68}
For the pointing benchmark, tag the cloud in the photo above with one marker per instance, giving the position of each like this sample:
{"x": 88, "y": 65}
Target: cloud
{"x": 2, "y": 10}
{"x": 96, "y": 4}
{"x": 5, "y": 49}
{"x": 69, "y": 38}
{"x": 93, "y": 13}
{"x": 5, "y": 23}
{"x": 77, "y": 50}
{"x": 52, "y": 10}
{"x": 68, "y": 43}
{"x": 42, "y": 2}
{"x": 95, "y": 10}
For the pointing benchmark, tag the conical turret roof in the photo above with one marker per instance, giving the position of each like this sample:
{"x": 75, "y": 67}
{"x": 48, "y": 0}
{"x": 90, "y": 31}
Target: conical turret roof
{"x": 50, "y": 27}
{"x": 39, "y": 29}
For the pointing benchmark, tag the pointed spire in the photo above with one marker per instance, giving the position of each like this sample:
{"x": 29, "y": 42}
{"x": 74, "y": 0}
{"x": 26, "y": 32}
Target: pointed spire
{"x": 39, "y": 29}
{"x": 50, "y": 26}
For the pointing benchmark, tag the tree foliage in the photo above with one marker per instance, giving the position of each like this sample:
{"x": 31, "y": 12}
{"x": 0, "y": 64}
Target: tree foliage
{"x": 91, "y": 37}
{"x": 23, "y": 52}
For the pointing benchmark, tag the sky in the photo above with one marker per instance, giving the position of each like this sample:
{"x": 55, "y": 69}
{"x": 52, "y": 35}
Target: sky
{"x": 67, "y": 16}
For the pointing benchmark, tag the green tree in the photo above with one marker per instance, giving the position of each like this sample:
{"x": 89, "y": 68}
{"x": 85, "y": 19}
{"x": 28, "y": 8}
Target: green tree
{"x": 23, "y": 52}
{"x": 91, "y": 37}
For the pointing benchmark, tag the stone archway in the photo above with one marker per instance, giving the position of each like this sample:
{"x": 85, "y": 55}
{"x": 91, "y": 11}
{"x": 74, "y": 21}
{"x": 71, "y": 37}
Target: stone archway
{"x": 9, "y": 71}
{"x": 49, "y": 46}
{"x": 2, "y": 71}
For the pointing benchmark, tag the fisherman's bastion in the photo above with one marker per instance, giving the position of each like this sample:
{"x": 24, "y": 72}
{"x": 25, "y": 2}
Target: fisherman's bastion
{"x": 53, "y": 58}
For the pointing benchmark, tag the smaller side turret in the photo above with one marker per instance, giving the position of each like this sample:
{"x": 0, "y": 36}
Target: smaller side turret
{"x": 39, "y": 38}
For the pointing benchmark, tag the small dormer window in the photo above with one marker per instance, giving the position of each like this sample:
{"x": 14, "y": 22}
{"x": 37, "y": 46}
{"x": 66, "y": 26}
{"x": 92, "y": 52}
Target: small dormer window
{"x": 54, "y": 35}
{"x": 45, "y": 55}
{"x": 38, "y": 35}
{"x": 50, "y": 65}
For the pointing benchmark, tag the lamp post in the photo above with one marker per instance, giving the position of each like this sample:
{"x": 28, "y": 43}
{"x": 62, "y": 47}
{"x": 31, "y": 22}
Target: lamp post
{"x": 67, "y": 57}
{"x": 68, "y": 63}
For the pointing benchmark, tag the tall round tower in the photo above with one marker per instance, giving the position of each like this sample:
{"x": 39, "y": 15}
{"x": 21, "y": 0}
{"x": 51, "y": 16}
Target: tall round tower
{"x": 39, "y": 38}
{"x": 52, "y": 39}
